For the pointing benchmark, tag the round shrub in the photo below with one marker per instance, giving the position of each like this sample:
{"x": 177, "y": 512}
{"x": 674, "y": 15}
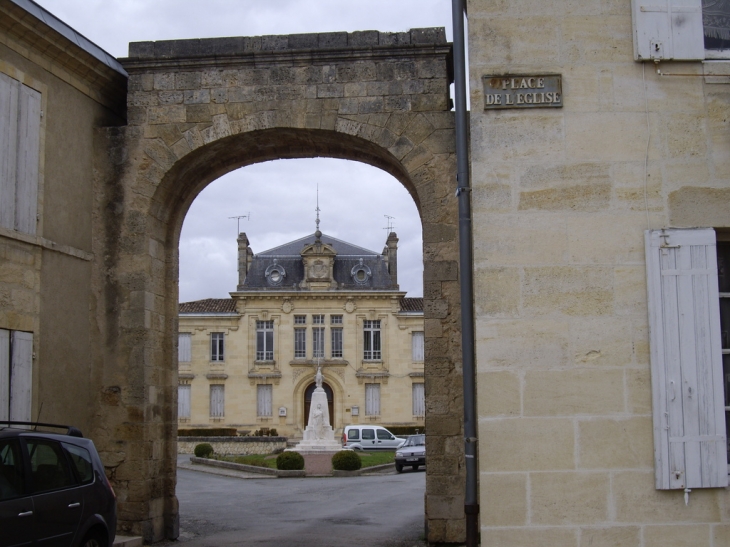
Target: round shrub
{"x": 291, "y": 461}
{"x": 346, "y": 460}
{"x": 203, "y": 450}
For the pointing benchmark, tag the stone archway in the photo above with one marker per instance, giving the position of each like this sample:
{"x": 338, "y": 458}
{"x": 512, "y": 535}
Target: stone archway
{"x": 200, "y": 108}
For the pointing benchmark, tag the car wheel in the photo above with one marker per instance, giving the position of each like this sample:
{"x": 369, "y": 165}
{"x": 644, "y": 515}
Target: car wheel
{"x": 94, "y": 539}
{"x": 399, "y": 468}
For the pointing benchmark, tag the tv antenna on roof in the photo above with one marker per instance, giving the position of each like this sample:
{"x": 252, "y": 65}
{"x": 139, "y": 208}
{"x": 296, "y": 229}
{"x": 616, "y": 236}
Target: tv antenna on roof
{"x": 238, "y": 218}
{"x": 390, "y": 225}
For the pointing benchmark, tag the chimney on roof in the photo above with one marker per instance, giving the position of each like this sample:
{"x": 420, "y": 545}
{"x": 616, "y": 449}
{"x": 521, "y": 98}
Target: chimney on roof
{"x": 391, "y": 246}
{"x": 245, "y": 256}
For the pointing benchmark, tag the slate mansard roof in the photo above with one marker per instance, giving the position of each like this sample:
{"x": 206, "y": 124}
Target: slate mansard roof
{"x": 348, "y": 257}
{"x": 228, "y": 305}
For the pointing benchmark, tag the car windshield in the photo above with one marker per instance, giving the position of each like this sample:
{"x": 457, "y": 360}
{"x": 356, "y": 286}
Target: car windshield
{"x": 415, "y": 440}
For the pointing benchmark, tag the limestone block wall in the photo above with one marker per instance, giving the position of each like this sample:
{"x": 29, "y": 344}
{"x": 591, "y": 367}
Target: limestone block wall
{"x": 561, "y": 200}
{"x": 238, "y": 446}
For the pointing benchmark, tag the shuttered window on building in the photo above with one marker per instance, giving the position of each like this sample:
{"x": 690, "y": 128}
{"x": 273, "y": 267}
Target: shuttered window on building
{"x": 419, "y": 400}
{"x": 183, "y": 347}
{"x": 217, "y": 401}
{"x": 20, "y": 122}
{"x": 690, "y": 445}
{"x": 183, "y": 401}
{"x": 372, "y": 399}
{"x": 417, "y": 349}
{"x": 16, "y": 367}
{"x": 264, "y": 394}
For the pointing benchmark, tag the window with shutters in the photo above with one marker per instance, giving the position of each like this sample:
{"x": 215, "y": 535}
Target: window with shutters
{"x": 419, "y": 400}
{"x": 681, "y": 29}
{"x": 264, "y": 394}
{"x": 16, "y": 366}
{"x": 20, "y": 123}
{"x": 371, "y": 340}
{"x": 217, "y": 401}
{"x": 689, "y": 407}
{"x": 217, "y": 346}
{"x": 183, "y": 347}
{"x": 723, "y": 273}
{"x": 417, "y": 347}
{"x": 264, "y": 340}
{"x": 183, "y": 401}
{"x": 372, "y": 399}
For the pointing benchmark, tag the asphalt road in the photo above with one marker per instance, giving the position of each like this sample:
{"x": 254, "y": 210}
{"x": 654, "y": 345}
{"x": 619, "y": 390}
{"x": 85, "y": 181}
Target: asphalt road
{"x": 369, "y": 511}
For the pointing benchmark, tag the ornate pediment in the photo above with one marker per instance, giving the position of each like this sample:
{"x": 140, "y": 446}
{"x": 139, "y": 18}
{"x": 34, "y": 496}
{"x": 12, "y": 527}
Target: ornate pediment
{"x": 319, "y": 261}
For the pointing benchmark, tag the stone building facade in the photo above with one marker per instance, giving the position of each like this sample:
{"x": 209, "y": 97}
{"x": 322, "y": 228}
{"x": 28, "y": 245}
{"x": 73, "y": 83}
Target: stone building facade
{"x": 249, "y": 362}
{"x": 592, "y": 421}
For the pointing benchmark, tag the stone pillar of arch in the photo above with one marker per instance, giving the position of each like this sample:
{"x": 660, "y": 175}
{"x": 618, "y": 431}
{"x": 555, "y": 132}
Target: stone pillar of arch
{"x": 198, "y": 109}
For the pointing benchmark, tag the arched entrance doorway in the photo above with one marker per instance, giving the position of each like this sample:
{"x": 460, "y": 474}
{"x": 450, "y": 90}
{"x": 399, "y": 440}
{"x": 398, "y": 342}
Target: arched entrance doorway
{"x": 198, "y": 109}
{"x": 308, "y": 402}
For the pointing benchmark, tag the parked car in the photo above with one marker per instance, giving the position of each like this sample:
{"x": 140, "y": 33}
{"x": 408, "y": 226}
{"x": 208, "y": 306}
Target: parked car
{"x": 413, "y": 453}
{"x": 369, "y": 437}
{"x": 53, "y": 489}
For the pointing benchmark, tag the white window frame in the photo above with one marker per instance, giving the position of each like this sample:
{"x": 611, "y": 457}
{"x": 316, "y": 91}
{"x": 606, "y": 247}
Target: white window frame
{"x": 300, "y": 343}
{"x": 317, "y": 342}
{"x": 16, "y": 372}
{"x": 20, "y": 130}
{"x": 417, "y": 346}
{"x": 670, "y": 30}
{"x": 264, "y": 400}
{"x": 217, "y": 347}
{"x": 183, "y": 401}
{"x": 217, "y": 400}
{"x": 690, "y": 445}
{"x": 419, "y": 399}
{"x": 265, "y": 340}
{"x": 372, "y": 340}
{"x": 184, "y": 347}
{"x": 372, "y": 399}
{"x": 336, "y": 342}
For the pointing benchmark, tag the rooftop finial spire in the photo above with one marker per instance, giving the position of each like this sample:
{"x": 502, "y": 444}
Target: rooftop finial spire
{"x": 317, "y": 234}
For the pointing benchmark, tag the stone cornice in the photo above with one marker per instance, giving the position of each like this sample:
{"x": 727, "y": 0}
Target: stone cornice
{"x": 38, "y": 42}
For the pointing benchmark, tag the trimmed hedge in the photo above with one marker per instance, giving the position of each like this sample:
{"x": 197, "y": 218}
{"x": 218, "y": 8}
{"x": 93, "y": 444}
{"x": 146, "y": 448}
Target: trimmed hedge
{"x": 290, "y": 461}
{"x": 203, "y": 450}
{"x": 402, "y": 430}
{"x": 346, "y": 460}
{"x": 208, "y": 432}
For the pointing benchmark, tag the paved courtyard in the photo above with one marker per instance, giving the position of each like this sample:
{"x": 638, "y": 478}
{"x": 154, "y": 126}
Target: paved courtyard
{"x": 383, "y": 510}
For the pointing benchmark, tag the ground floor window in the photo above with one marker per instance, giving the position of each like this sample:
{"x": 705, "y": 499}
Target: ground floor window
{"x": 16, "y": 366}
{"x": 419, "y": 400}
{"x": 264, "y": 400}
{"x": 183, "y": 401}
{"x": 217, "y": 401}
{"x": 372, "y": 399}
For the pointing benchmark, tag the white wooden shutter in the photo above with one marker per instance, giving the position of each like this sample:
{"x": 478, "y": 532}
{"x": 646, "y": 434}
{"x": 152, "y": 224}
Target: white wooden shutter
{"x": 372, "y": 399}
{"x": 264, "y": 394}
{"x": 21, "y": 367}
{"x": 183, "y": 347}
{"x": 29, "y": 125}
{"x": 217, "y": 401}
{"x": 668, "y": 29}
{"x": 183, "y": 401}
{"x": 4, "y": 374}
{"x": 8, "y": 149}
{"x": 686, "y": 359}
{"x": 417, "y": 347}
{"x": 419, "y": 400}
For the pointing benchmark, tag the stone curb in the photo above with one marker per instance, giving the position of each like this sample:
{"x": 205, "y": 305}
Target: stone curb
{"x": 286, "y": 473}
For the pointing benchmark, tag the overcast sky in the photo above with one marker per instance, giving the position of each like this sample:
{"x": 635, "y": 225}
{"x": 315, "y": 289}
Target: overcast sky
{"x": 280, "y": 196}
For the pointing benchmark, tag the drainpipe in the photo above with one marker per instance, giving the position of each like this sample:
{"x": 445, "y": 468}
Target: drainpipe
{"x": 463, "y": 190}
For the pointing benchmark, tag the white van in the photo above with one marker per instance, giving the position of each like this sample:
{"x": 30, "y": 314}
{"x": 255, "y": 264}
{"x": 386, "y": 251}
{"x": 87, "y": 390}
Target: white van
{"x": 369, "y": 437}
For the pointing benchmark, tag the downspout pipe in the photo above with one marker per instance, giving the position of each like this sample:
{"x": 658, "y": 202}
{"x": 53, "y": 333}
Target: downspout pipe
{"x": 463, "y": 194}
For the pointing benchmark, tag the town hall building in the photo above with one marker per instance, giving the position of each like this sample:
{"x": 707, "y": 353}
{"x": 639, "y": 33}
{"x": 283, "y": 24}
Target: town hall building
{"x": 250, "y": 361}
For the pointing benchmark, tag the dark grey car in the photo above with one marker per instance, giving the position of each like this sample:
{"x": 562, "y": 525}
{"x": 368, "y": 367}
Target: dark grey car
{"x": 53, "y": 489}
{"x": 411, "y": 453}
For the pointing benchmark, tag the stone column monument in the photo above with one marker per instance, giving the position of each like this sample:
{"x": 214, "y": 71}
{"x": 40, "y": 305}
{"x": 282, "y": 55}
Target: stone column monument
{"x": 318, "y": 435}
